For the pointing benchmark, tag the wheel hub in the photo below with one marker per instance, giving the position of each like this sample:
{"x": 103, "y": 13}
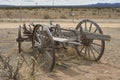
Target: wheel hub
{"x": 85, "y": 41}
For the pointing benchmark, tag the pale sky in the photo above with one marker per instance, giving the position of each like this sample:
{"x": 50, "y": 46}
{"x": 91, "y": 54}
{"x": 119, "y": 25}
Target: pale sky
{"x": 55, "y": 2}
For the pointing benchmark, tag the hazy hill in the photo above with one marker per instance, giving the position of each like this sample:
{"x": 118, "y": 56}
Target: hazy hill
{"x": 114, "y": 5}
{"x": 104, "y": 5}
{"x": 2, "y": 6}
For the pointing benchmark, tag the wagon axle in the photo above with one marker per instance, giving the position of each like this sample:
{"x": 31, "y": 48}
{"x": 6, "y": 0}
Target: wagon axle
{"x": 86, "y": 42}
{"x": 19, "y": 40}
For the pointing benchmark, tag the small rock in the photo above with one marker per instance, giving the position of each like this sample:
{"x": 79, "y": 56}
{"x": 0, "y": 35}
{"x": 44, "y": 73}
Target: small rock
{"x": 106, "y": 72}
{"x": 8, "y": 32}
{"x": 98, "y": 79}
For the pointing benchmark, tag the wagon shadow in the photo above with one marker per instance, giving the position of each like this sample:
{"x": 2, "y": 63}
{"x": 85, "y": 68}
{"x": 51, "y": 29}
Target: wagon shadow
{"x": 68, "y": 62}
{"x": 64, "y": 59}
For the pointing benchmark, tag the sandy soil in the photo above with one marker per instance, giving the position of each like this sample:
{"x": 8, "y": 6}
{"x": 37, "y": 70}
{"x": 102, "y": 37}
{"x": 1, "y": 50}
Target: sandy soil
{"x": 108, "y": 68}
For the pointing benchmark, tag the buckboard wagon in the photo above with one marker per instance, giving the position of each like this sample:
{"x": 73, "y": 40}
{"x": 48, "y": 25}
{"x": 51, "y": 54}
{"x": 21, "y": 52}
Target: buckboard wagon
{"x": 87, "y": 38}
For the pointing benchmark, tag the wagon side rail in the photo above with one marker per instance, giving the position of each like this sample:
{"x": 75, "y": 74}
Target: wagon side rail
{"x": 86, "y": 35}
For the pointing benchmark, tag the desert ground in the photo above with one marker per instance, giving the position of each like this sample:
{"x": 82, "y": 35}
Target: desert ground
{"x": 71, "y": 66}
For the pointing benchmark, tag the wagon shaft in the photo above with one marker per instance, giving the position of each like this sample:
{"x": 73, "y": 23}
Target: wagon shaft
{"x": 97, "y": 36}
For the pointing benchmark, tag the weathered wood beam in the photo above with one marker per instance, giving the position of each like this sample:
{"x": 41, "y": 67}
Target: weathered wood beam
{"x": 97, "y": 36}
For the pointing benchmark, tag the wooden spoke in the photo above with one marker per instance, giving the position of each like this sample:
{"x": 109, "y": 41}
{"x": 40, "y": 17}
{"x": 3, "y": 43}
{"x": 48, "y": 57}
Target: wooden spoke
{"x": 90, "y": 27}
{"x": 85, "y": 52}
{"x": 85, "y": 26}
{"x": 92, "y": 52}
{"x": 38, "y": 37}
{"x": 95, "y": 49}
{"x": 96, "y": 44}
{"x": 95, "y": 31}
{"x": 89, "y": 53}
{"x": 81, "y": 49}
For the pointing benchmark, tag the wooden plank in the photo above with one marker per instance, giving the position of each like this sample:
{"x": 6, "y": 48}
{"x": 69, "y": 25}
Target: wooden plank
{"x": 67, "y": 33}
{"x": 69, "y": 41}
{"x": 97, "y": 36}
{"x": 60, "y": 39}
{"x": 72, "y": 36}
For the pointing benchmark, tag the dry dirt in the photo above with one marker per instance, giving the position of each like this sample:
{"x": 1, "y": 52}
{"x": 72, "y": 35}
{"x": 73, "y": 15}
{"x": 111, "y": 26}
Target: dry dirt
{"x": 68, "y": 68}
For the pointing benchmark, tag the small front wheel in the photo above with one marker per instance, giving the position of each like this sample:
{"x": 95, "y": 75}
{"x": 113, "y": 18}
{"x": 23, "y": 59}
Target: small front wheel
{"x": 43, "y": 42}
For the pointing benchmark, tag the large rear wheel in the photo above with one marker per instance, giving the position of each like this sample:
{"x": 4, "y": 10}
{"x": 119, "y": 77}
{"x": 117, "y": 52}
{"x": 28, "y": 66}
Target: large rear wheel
{"x": 90, "y": 49}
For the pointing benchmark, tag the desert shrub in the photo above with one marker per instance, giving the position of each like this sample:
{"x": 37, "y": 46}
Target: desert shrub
{"x": 30, "y": 8}
{"x": 54, "y": 8}
{"x": 118, "y": 10}
{"x": 8, "y": 70}
{"x": 71, "y": 9}
{"x": 84, "y": 9}
{"x": 77, "y": 9}
{"x": 109, "y": 16}
{"x": 8, "y": 14}
{"x": 59, "y": 11}
{"x": 93, "y": 13}
{"x": 46, "y": 16}
{"x": 63, "y": 17}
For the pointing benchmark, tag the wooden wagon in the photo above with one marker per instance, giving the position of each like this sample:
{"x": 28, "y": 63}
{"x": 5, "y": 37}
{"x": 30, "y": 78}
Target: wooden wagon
{"x": 87, "y": 38}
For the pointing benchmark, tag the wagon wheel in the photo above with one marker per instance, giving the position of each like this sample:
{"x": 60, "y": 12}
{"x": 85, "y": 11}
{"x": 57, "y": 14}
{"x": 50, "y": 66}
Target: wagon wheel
{"x": 55, "y": 30}
{"x": 43, "y": 42}
{"x": 19, "y": 39}
{"x": 90, "y": 49}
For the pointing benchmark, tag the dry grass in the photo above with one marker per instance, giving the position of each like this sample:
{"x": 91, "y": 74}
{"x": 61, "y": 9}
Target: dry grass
{"x": 62, "y": 13}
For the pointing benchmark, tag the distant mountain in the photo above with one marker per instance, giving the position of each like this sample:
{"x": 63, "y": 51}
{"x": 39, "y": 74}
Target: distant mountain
{"x": 101, "y": 5}
{"x": 104, "y": 5}
{"x": 6, "y": 6}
